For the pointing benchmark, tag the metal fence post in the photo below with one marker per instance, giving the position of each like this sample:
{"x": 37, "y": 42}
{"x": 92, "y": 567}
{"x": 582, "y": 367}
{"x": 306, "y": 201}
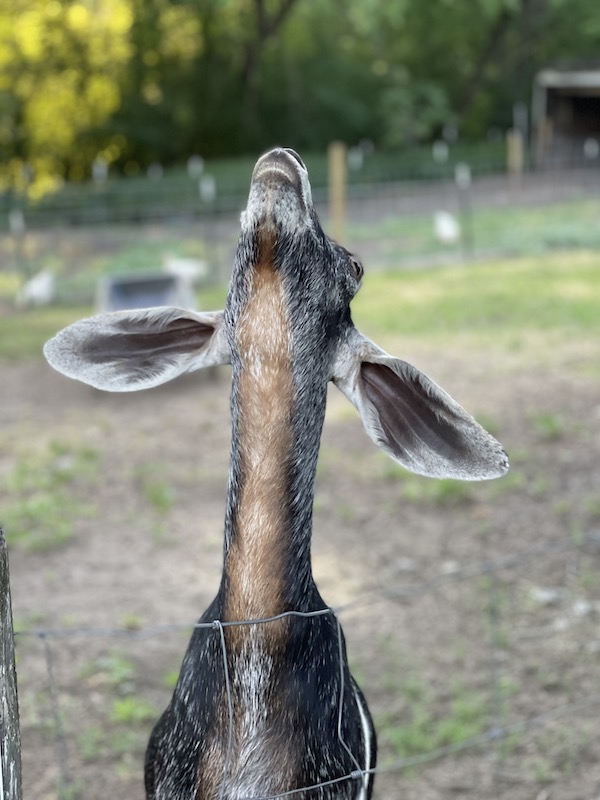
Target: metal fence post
{"x": 10, "y": 736}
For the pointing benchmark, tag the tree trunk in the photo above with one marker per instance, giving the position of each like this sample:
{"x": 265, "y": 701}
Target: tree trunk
{"x": 494, "y": 39}
{"x": 266, "y": 26}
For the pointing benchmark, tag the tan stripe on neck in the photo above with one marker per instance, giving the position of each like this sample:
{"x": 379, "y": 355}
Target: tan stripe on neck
{"x": 256, "y": 560}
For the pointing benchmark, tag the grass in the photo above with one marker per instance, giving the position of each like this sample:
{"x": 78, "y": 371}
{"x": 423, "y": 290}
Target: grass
{"x": 121, "y": 731}
{"x": 40, "y": 495}
{"x": 552, "y": 294}
{"x": 157, "y": 493}
{"x": 542, "y": 299}
{"x": 419, "y": 730}
{"x": 112, "y": 670}
{"x": 22, "y": 336}
{"x": 548, "y": 426}
{"x": 423, "y": 491}
{"x": 505, "y": 230}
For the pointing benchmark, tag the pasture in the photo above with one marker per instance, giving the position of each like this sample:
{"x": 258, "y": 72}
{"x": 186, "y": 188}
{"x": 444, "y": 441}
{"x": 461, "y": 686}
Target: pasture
{"x": 471, "y": 610}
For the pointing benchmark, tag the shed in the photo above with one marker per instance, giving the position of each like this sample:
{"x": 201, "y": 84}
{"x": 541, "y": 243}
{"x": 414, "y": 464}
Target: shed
{"x": 566, "y": 115}
{"x": 143, "y": 290}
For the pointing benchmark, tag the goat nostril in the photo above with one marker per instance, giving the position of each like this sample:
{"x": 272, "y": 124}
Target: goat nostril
{"x": 295, "y": 155}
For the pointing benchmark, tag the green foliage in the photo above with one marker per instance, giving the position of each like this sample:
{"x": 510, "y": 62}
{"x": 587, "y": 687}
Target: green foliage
{"x": 61, "y": 71}
{"x": 128, "y": 82}
{"x": 414, "y": 110}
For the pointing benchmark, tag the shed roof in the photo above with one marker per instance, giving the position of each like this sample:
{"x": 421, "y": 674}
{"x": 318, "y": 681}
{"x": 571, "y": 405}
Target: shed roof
{"x": 574, "y": 80}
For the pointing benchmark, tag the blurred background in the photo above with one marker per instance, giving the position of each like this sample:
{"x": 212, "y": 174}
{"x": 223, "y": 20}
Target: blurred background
{"x": 455, "y": 147}
{"x": 125, "y": 122}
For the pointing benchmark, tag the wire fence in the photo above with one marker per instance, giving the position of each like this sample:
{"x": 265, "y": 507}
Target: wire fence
{"x": 491, "y": 741}
{"x": 532, "y": 657}
{"x": 449, "y": 216}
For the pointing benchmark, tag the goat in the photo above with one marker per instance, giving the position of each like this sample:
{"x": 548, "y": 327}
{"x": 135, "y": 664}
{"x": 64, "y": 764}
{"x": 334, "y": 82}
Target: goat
{"x": 264, "y": 709}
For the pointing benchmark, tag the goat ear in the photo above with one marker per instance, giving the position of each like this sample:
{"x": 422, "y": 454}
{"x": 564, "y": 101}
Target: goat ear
{"x": 412, "y": 418}
{"x": 124, "y": 351}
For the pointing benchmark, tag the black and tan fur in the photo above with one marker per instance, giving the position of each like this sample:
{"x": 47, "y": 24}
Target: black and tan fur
{"x": 287, "y": 332}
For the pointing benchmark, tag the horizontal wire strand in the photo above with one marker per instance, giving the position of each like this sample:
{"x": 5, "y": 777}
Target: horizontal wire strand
{"x": 496, "y": 734}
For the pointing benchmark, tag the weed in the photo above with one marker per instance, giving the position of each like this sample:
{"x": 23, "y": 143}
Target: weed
{"x": 540, "y": 486}
{"x": 513, "y": 482}
{"x": 71, "y": 791}
{"x": 112, "y": 670}
{"x": 96, "y": 742}
{"x": 157, "y": 492}
{"x": 548, "y": 426}
{"x": 414, "y": 689}
{"x": 424, "y": 730}
{"x": 588, "y": 574}
{"x": 540, "y": 769}
{"x": 33, "y": 619}
{"x": 468, "y": 718}
{"x": 562, "y": 508}
{"x": 131, "y": 710}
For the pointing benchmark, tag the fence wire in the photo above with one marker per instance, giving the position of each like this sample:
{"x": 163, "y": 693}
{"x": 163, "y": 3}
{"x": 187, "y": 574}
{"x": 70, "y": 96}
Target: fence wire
{"x": 390, "y": 224}
{"x": 493, "y": 736}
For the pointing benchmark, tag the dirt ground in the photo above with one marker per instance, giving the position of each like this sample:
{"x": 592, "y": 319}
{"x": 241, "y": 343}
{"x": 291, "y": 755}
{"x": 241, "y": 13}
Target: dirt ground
{"x": 133, "y": 541}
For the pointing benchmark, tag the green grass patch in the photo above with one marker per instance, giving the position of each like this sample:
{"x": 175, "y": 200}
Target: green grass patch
{"x": 552, "y": 298}
{"x": 506, "y": 230}
{"x": 559, "y": 292}
{"x": 120, "y": 732}
{"x": 23, "y": 335}
{"x": 42, "y": 495}
{"x": 421, "y": 730}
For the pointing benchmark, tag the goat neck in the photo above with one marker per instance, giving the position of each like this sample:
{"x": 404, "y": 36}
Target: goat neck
{"x": 282, "y": 320}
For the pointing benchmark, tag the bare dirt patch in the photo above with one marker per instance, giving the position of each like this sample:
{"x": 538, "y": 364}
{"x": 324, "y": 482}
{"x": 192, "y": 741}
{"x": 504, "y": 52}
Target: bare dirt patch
{"x": 140, "y": 484}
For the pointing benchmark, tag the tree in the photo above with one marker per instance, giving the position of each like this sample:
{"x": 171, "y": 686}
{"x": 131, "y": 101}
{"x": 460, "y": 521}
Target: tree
{"x": 60, "y": 65}
{"x": 135, "y": 81}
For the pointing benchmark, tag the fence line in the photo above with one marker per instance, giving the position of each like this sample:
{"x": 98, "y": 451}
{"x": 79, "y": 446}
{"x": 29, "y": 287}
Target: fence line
{"x": 493, "y": 736}
{"x": 478, "y": 569}
{"x": 390, "y": 224}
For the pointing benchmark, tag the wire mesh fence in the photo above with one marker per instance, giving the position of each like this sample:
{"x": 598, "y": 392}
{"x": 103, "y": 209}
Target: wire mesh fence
{"x": 530, "y": 635}
{"x": 452, "y": 215}
{"x": 482, "y": 672}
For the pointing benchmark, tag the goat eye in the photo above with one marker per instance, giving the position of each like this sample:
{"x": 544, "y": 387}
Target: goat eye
{"x": 357, "y": 268}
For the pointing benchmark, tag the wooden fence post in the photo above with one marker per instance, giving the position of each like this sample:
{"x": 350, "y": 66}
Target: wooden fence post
{"x": 336, "y": 156}
{"x": 515, "y": 155}
{"x": 10, "y": 736}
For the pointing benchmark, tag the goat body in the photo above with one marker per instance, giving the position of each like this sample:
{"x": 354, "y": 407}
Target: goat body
{"x": 265, "y": 709}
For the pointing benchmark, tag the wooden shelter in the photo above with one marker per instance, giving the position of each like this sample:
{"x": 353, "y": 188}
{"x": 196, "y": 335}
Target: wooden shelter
{"x": 566, "y": 116}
